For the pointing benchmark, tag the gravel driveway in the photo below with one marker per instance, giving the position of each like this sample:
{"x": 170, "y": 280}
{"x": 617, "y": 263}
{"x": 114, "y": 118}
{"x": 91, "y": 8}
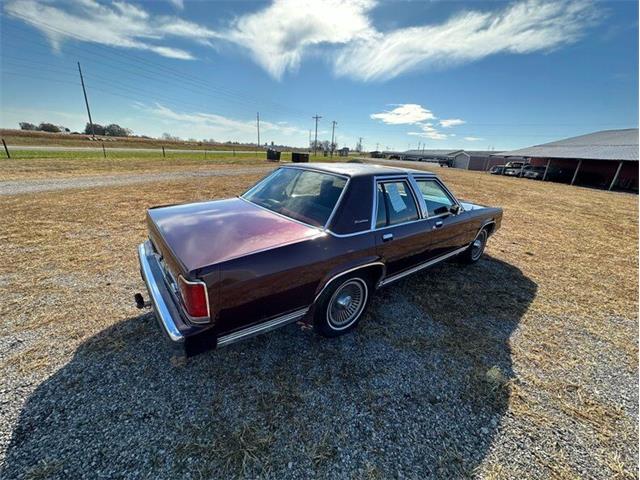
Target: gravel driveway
{"x": 16, "y": 187}
{"x": 388, "y": 401}
{"x": 448, "y": 376}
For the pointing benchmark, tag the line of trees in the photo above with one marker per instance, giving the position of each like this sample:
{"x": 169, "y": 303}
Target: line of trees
{"x": 43, "y": 127}
{"x": 111, "y": 130}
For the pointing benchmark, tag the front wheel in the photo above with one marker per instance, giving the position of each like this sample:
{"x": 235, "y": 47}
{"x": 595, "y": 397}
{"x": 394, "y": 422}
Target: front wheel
{"x": 341, "y": 306}
{"x": 476, "y": 249}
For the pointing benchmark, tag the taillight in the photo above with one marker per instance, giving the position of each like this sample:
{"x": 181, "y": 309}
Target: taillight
{"x": 195, "y": 298}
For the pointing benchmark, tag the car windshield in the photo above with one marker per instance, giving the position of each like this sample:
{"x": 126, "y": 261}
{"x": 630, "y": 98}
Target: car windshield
{"x": 304, "y": 195}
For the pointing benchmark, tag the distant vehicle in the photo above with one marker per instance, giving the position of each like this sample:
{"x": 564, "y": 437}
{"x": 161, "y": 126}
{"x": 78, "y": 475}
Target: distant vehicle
{"x": 376, "y": 154}
{"x": 497, "y": 170}
{"x": 394, "y": 157}
{"x": 445, "y": 163}
{"x": 516, "y": 169}
{"x": 514, "y": 164}
{"x": 308, "y": 240}
{"x": 535, "y": 173}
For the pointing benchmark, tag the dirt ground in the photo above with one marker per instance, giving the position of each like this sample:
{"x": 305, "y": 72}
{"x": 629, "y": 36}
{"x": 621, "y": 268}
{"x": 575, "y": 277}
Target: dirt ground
{"x": 534, "y": 351}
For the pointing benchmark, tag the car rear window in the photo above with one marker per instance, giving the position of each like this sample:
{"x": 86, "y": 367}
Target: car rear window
{"x": 304, "y": 195}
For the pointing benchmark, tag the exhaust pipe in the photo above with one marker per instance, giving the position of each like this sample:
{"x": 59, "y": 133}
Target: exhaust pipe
{"x": 140, "y": 302}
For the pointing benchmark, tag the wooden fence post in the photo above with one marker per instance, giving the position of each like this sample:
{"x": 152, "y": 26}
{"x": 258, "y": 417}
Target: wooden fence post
{"x": 104, "y": 152}
{"x": 163, "y": 155}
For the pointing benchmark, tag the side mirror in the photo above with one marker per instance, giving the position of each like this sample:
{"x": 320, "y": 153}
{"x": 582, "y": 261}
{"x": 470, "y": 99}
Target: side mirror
{"x": 455, "y": 209}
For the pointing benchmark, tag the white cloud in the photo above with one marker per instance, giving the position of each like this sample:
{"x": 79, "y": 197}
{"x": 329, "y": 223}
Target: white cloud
{"x": 473, "y": 139}
{"x": 406, "y": 113}
{"x": 177, "y": 3}
{"x": 428, "y": 131}
{"x": 121, "y": 25}
{"x": 529, "y": 26}
{"x": 451, "y": 122}
{"x": 279, "y": 35}
{"x": 211, "y": 125}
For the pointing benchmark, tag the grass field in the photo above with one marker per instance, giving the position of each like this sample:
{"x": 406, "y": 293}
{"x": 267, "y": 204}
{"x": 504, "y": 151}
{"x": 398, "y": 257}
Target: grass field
{"x": 32, "y": 164}
{"x": 70, "y": 271}
{"x": 23, "y": 137}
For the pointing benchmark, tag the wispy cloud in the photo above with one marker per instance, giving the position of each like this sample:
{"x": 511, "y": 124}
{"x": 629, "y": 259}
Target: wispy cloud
{"x": 415, "y": 114}
{"x": 524, "y": 27}
{"x": 451, "y": 122}
{"x": 403, "y": 114}
{"x": 428, "y": 131}
{"x": 473, "y": 139}
{"x": 279, "y": 36}
{"x": 120, "y": 24}
{"x": 177, "y": 3}
{"x": 212, "y": 125}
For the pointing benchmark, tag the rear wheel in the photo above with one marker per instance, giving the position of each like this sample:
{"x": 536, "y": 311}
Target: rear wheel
{"x": 476, "y": 249}
{"x": 341, "y": 306}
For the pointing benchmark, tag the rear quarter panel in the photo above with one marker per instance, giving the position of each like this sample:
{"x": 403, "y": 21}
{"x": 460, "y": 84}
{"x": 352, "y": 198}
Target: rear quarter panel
{"x": 267, "y": 284}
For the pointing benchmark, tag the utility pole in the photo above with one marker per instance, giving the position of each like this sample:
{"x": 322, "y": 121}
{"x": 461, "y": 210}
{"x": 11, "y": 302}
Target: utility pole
{"x": 360, "y": 144}
{"x": 315, "y": 142}
{"x": 333, "y": 131}
{"x": 86, "y": 101}
{"x": 258, "y": 124}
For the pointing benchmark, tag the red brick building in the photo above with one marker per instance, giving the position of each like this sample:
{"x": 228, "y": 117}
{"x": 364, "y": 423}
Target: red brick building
{"x": 606, "y": 159}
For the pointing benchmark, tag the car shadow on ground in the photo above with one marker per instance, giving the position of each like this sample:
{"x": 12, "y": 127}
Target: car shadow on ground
{"x": 418, "y": 390}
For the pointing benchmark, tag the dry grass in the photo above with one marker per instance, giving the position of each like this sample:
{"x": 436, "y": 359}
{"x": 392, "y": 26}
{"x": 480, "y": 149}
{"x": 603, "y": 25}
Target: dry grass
{"x": 36, "y": 165}
{"x": 24, "y": 137}
{"x": 70, "y": 269}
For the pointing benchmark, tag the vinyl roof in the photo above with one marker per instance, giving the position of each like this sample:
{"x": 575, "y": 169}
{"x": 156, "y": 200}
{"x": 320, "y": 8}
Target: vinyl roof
{"x": 356, "y": 169}
{"x": 604, "y": 145}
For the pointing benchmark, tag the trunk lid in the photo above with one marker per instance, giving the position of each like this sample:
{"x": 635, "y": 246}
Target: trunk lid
{"x": 198, "y": 235}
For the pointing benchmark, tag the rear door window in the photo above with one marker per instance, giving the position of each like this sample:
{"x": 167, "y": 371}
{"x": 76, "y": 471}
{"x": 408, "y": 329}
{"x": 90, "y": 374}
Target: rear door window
{"x": 396, "y": 204}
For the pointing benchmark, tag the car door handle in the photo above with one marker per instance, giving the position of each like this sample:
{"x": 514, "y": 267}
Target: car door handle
{"x": 438, "y": 224}
{"x": 387, "y": 237}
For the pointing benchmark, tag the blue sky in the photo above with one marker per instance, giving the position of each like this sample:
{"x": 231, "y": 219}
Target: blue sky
{"x": 472, "y": 75}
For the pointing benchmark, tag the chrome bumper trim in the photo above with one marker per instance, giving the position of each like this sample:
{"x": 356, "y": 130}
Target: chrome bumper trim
{"x": 155, "y": 287}
{"x": 261, "y": 327}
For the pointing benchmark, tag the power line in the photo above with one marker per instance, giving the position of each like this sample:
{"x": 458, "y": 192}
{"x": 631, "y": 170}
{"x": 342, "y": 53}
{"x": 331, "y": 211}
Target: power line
{"x": 231, "y": 95}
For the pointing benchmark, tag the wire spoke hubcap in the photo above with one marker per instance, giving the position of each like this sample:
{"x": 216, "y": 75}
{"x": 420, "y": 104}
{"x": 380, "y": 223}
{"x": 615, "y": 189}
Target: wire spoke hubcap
{"x": 477, "y": 247}
{"x": 347, "y": 304}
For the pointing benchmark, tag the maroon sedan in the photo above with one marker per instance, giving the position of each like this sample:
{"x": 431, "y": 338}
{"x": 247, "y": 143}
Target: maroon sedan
{"x": 310, "y": 241}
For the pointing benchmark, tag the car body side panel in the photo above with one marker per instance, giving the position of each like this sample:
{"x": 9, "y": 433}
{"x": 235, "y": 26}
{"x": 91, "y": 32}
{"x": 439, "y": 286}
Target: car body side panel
{"x": 270, "y": 283}
{"x": 456, "y": 231}
{"x": 410, "y": 245}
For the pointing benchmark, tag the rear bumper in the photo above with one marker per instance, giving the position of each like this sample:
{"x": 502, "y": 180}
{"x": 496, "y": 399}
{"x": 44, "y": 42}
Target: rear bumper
{"x": 163, "y": 305}
{"x": 192, "y": 339}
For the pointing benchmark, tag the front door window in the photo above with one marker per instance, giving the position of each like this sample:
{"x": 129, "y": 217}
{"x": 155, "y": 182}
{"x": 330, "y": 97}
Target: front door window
{"x": 438, "y": 202}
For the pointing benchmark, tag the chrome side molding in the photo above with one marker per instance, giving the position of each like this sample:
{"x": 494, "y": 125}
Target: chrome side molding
{"x": 261, "y": 327}
{"x": 417, "y": 268}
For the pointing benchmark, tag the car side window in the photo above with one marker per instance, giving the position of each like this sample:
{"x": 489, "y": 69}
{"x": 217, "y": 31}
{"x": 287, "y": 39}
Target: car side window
{"x": 437, "y": 200}
{"x": 395, "y": 204}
